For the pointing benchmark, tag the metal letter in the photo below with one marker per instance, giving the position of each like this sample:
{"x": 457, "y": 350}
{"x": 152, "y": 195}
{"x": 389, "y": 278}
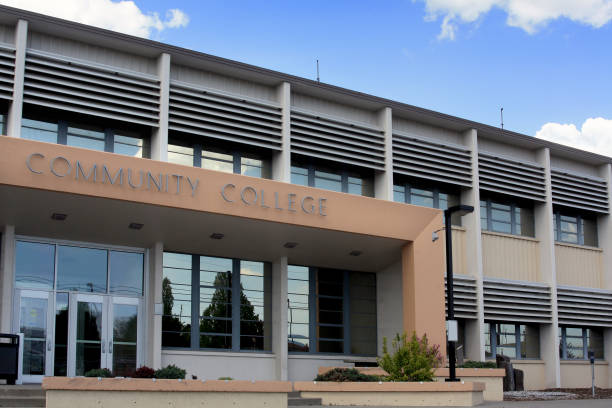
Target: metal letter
{"x": 158, "y": 183}
{"x": 291, "y": 198}
{"x": 311, "y": 208}
{"x": 322, "y": 207}
{"x": 178, "y": 183}
{"x": 276, "y": 201}
{"x": 106, "y": 175}
{"x": 263, "y": 203}
{"x": 42, "y": 156}
{"x": 223, "y": 192}
{"x": 130, "y": 178}
{"x": 193, "y": 186}
{"x": 242, "y": 195}
{"x": 52, "y": 166}
{"x": 79, "y": 169}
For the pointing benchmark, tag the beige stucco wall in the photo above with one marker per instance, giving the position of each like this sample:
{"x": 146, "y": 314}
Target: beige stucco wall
{"x": 459, "y": 254}
{"x": 212, "y": 365}
{"x": 571, "y": 258}
{"x": 388, "y": 303}
{"x": 510, "y": 257}
{"x": 534, "y": 373}
{"x": 399, "y": 399}
{"x": 575, "y": 374}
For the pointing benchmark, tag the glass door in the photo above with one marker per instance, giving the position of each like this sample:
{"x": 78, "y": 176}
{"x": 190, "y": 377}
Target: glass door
{"x": 122, "y": 356}
{"x": 87, "y": 334}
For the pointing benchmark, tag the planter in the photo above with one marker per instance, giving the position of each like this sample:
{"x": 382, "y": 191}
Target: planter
{"x": 148, "y": 393}
{"x": 393, "y": 393}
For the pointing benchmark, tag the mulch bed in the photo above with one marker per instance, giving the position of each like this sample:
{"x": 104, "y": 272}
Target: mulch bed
{"x": 576, "y": 393}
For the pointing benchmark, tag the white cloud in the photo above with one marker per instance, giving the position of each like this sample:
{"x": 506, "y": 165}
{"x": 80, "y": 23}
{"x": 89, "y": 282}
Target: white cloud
{"x": 123, "y": 16}
{"x": 595, "y": 135}
{"x": 529, "y": 15}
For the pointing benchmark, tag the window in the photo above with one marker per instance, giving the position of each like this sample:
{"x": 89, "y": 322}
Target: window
{"x": 575, "y": 229}
{"x": 507, "y": 218}
{"x": 88, "y": 137}
{"x": 431, "y": 197}
{"x": 330, "y": 179}
{"x": 331, "y": 311}
{"x": 576, "y": 342}
{"x": 216, "y": 303}
{"x": 517, "y": 341}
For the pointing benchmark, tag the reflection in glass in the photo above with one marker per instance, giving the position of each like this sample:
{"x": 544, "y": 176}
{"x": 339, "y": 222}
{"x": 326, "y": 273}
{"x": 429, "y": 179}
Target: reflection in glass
{"x": 129, "y": 146}
{"x": 176, "y": 299}
{"x": 299, "y": 176}
{"x": 487, "y": 334}
{"x": 86, "y": 138}
{"x": 506, "y": 340}
{"x": 180, "y": 155}
{"x": 217, "y": 161}
{"x": 330, "y": 311}
{"x": 126, "y": 273}
{"x": 327, "y": 180}
{"x": 254, "y": 305}
{"x": 34, "y": 265}
{"x": 125, "y": 331}
{"x": 61, "y": 335}
{"x": 251, "y": 167}
{"x": 362, "y": 306}
{"x": 33, "y": 325}
{"x": 81, "y": 269}
{"x": 215, "y": 302}
{"x": 88, "y": 336}
{"x": 39, "y": 130}
{"x": 297, "y": 302}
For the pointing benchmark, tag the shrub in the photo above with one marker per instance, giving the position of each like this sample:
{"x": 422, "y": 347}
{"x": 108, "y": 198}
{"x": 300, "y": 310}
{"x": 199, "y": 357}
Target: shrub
{"x": 171, "y": 372}
{"x": 225, "y": 378}
{"x": 99, "y": 372}
{"x": 479, "y": 364}
{"x": 144, "y": 372}
{"x": 412, "y": 360}
{"x": 346, "y": 374}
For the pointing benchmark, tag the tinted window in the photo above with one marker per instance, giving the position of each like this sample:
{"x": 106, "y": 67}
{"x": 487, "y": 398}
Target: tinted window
{"x": 126, "y": 273}
{"x": 81, "y": 269}
{"x": 34, "y": 265}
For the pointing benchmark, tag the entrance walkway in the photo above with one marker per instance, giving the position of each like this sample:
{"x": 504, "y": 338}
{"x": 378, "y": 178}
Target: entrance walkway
{"x": 600, "y": 403}
{"x": 15, "y": 396}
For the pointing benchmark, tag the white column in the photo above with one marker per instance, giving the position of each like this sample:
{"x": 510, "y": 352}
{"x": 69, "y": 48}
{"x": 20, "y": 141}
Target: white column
{"x": 383, "y": 181}
{"x": 545, "y": 233}
{"x": 7, "y": 260}
{"x": 13, "y": 127}
{"x": 279, "y": 316}
{"x": 474, "y": 329}
{"x": 159, "y": 136}
{"x": 281, "y": 161}
{"x": 604, "y": 235}
{"x": 154, "y": 307}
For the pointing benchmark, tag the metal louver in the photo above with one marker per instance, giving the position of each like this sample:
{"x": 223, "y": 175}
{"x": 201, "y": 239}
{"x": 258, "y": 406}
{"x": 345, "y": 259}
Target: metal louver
{"x": 516, "y": 301}
{"x": 466, "y": 306}
{"x": 209, "y": 113}
{"x": 7, "y": 71}
{"x": 329, "y": 138}
{"x": 507, "y": 176}
{"x": 584, "y": 307}
{"x": 80, "y": 86}
{"x": 431, "y": 160}
{"x": 575, "y": 191}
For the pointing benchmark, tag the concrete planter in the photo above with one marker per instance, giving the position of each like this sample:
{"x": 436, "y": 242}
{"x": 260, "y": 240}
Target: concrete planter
{"x": 122, "y": 392}
{"x": 393, "y": 393}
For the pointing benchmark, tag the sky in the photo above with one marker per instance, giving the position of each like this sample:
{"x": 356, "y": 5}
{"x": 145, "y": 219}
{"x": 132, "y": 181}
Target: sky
{"x": 548, "y": 63}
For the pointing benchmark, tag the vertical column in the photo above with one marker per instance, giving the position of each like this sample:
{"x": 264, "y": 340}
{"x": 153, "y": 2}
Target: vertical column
{"x": 7, "y": 260}
{"x": 155, "y": 306}
{"x": 159, "y": 136}
{"x": 16, "y": 108}
{"x": 383, "y": 182}
{"x": 604, "y": 236}
{"x": 545, "y": 233}
{"x": 279, "y": 316}
{"x": 475, "y": 340}
{"x": 281, "y": 162}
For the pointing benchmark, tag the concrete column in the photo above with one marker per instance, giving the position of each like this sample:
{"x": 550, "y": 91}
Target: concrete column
{"x": 281, "y": 161}
{"x": 474, "y": 329}
{"x": 7, "y": 261}
{"x": 13, "y": 127}
{"x": 279, "y": 316}
{"x": 545, "y": 233}
{"x": 159, "y": 136}
{"x": 154, "y": 307}
{"x": 604, "y": 236}
{"x": 383, "y": 180}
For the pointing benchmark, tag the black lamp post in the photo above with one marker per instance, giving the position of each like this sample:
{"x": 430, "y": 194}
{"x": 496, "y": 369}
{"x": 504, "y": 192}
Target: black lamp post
{"x": 461, "y": 210}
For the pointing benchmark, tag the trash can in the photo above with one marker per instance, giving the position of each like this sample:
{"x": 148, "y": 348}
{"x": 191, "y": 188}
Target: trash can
{"x": 9, "y": 357}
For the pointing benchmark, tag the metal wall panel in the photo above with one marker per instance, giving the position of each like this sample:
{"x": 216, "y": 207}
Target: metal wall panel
{"x": 337, "y": 110}
{"x": 515, "y": 301}
{"x": 510, "y": 257}
{"x": 7, "y": 71}
{"x": 464, "y": 290}
{"x": 7, "y": 35}
{"x": 579, "y": 191}
{"x": 579, "y": 265}
{"x": 583, "y": 307}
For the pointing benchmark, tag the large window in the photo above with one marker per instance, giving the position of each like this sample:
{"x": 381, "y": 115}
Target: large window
{"x": 88, "y": 137}
{"x": 331, "y": 311}
{"x": 508, "y": 218}
{"x": 517, "y": 341}
{"x": 432, "y": 197}
{"x": 216, "y": 303}
{"x": 332, "y": 179}
{"x": 576, "y": 342}
{"x": 575, "y": 229}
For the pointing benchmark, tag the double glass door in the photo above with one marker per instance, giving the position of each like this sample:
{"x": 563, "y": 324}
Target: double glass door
{"x": 72, "y": 333}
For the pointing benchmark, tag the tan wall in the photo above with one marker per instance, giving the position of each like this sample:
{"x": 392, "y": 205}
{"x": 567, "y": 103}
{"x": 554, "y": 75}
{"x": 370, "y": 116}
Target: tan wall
{"x": 577, "y": 374}
{"x": 459, "y": 258}
{"x": 510, "y": 257}
{"x": 212, "y": 365}
{"x": 578, "y": 265}
{"x": 534, "y": 373}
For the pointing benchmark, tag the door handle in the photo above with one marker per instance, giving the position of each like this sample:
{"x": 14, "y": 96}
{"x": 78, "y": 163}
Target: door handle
{"x": 49, "y": 345}
{"x": 110, "y": 347}
{"x": 103, "y": 348}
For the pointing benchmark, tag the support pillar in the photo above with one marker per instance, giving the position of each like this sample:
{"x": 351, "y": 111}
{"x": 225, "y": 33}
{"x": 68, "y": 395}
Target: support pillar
{"x": 159, "y": 136}
{"x": 7, "y": 261}
{"x": 15, "y": 111}
{"x": 383, "y": 180}
{"x": 279, "y": 316}
{"x": 154, "y": 307}
{"x": 281, "y": 162}
{"x": 604, "y": 235}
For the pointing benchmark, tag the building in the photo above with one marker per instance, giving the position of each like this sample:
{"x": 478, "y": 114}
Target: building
{"x": 162, "y": 206}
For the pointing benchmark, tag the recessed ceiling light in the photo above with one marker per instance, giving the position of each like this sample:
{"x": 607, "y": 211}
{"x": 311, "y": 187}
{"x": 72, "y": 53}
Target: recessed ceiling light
{"x": 355, "y": 253}
{"x": 58, "y": 216}
{"x": 217, "y": 235}
{"x": 290, "y": 245}
{"x": 135, "y": 225}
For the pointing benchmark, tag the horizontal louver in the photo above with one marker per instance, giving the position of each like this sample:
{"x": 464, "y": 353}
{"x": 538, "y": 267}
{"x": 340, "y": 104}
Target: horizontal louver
{"x": 584, "y": 307}
{"x": 464, "y": 290}
{"x": 79, "y": 86}
{"x": 7, "y": 71}
{"x": 218, "y": 115}
{"x": 431, "y": 160}
{"x": 515, "y": 178}
{"x": 572, "y": 190}
{"x": 333, "y": 139}
{"x": 516, "y": 301}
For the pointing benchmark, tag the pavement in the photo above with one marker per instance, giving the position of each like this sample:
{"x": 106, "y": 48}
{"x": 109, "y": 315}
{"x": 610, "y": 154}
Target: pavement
{"x": 598, "y": 403}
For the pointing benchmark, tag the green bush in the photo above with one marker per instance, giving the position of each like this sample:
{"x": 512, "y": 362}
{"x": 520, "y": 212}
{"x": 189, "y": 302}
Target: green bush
{"x": 225, "y": 378}
{"x": 479, "y": 364}
{"x": 346, "y": 374}
{"x": 411, "y": 360}
{"x": 171, "y": 372}
{"x": 99, "y": 372}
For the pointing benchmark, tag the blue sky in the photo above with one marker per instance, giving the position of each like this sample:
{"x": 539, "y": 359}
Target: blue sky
{"x": 560, "y": 73}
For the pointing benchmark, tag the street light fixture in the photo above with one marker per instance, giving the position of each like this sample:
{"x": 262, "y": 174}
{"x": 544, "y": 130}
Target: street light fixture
{"x": 460, "y": 210}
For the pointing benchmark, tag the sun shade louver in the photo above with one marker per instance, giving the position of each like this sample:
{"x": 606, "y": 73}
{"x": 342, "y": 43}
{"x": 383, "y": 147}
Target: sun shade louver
{"x": 507, "y": 176}
{"x": 584, "y": 307}
{"x": 577, "y": 191}
{"x": 466, "y": 306}
{"x": 7, "y": 71}
{"x": 514, "y": 301}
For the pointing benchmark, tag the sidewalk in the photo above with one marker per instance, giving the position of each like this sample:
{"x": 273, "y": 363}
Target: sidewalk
{"x": 598, "y": 403}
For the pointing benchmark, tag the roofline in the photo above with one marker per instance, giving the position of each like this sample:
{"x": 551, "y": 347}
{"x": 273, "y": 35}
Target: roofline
{"x": 400, "y": 107}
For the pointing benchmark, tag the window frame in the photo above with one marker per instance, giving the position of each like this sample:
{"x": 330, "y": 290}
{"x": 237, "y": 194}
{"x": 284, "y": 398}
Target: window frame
{"x": 436, "y": 191}
{"x": 585, "y": 344}
{"x": 489, "y": 217}
{"x": 557, "y": 214}
{"x": 517, "y": 337}
{"x": 344, "y": 177}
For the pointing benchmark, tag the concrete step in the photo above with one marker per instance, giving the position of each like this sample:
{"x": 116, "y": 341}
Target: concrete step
{"x": 15, "y": 401}
{"x": 29, "y": 390}
{"x": 303, "y": 402}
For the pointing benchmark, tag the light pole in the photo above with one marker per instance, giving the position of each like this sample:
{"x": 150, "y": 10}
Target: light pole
{"x": 461, "y": 210}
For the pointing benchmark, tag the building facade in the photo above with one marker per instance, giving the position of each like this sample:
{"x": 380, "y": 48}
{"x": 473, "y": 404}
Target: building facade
{"x": 161, "y": 206}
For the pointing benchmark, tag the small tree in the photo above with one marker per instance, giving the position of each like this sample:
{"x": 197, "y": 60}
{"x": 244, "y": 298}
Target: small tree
{"x": 411, "y": 360}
